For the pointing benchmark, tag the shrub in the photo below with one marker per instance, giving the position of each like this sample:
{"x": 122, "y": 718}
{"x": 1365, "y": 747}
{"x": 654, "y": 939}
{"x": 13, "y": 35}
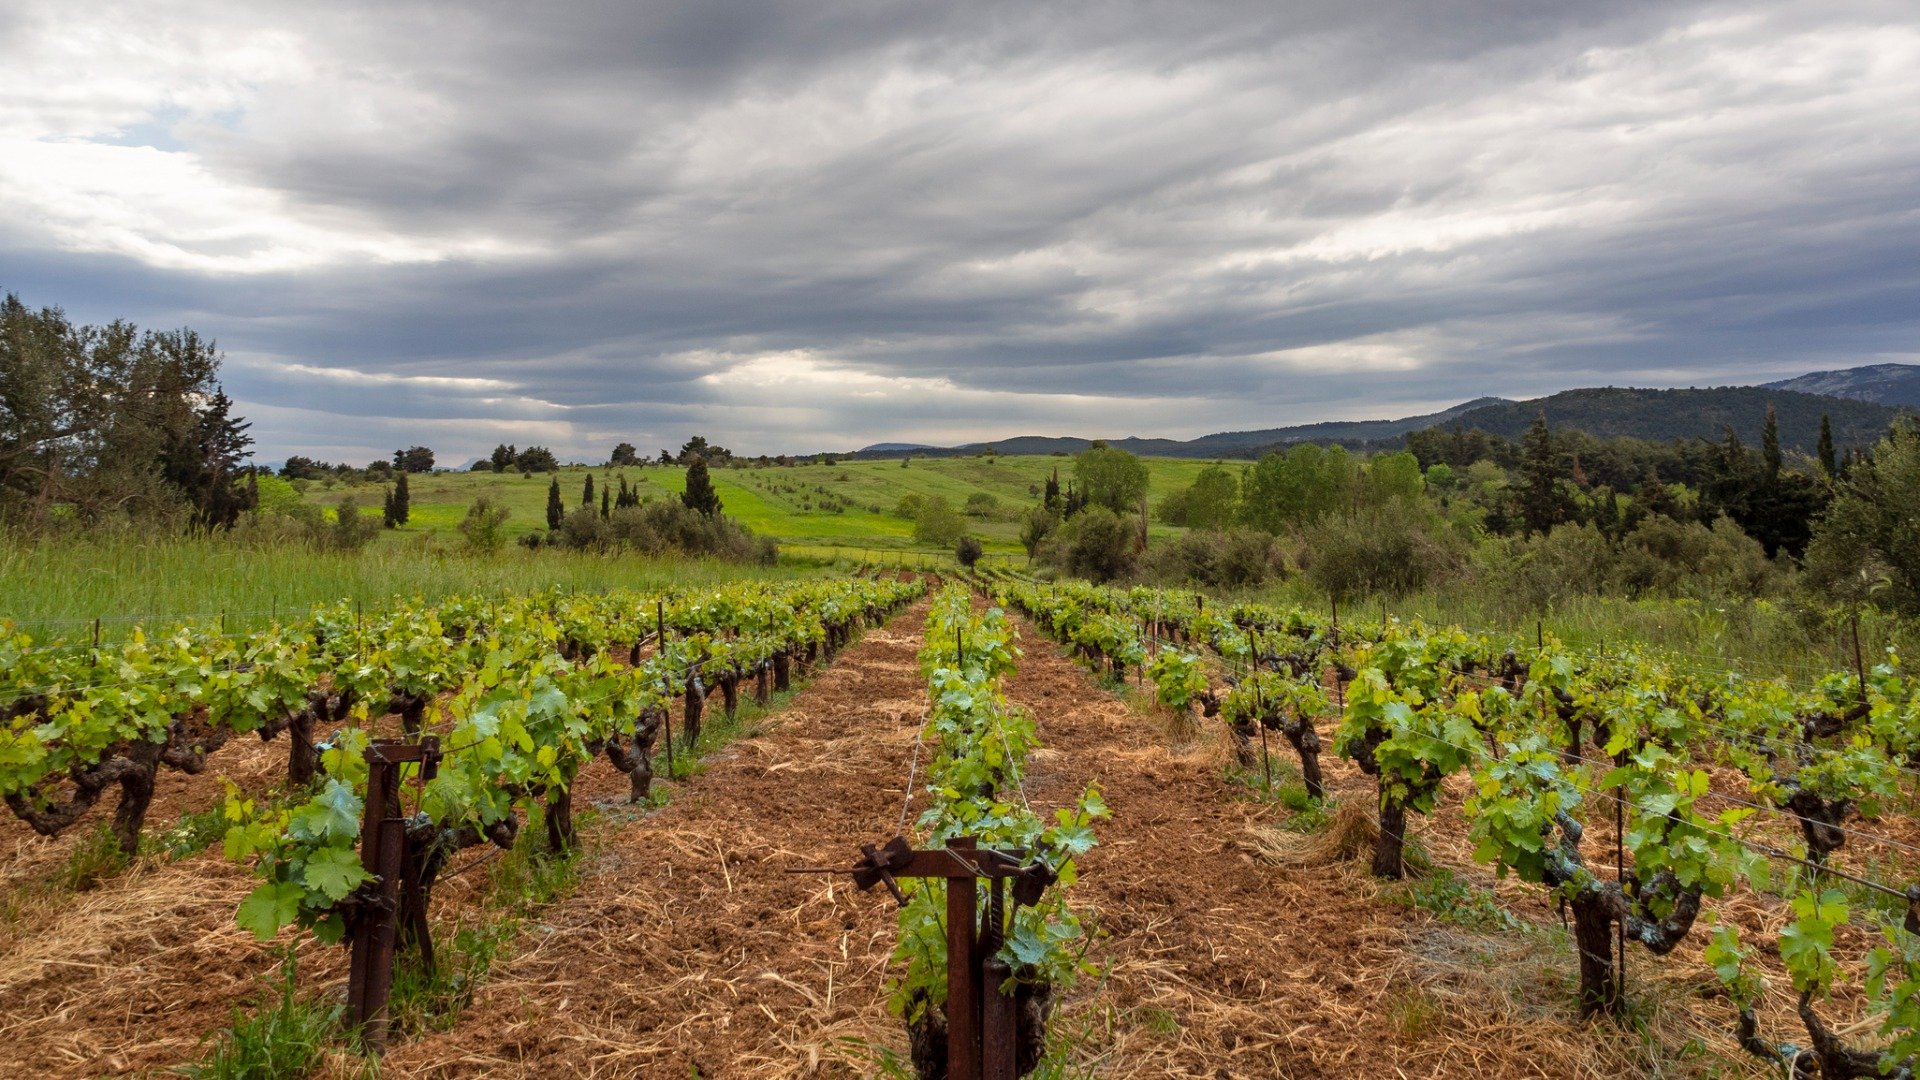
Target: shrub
{"x": 1225, "y": 559}
{"x": 1096, "y": 544}
{"x": 982, "y": 504}
{"x": 937, "y": 523}
{"x": 484, "y": 527}
{"x": 351, "y": 529}
{"x": 968, "y": 551}
{"x": 1376, "y": 551}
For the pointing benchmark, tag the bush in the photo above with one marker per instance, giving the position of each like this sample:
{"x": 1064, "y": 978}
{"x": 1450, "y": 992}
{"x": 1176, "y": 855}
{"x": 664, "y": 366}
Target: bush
{"x": 1096, "y": 544}
{"x": 351, "y": 530}
{"x": 982, "y": 504}
{"x": 484, "y": 526}
{"x": 968, "y": 551}
{"x": 1229, "y": 559}
{"x": 1672, "y": 558}
{"x": 937, "y": 523}
{"x": 669, "y": 526}
{"x": 1375, "y": 551}
{"x": 276, "y": 494}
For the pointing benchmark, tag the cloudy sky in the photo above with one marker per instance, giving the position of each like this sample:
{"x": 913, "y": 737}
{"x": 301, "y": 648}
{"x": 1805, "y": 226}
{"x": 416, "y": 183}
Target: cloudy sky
{"x": 818, "y": 225}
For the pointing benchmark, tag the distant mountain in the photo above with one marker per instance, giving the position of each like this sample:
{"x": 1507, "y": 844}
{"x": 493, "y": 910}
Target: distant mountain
{"x": 1240, "y": 444}
{"x": 1662, "y": 415}
{"x": 1860, "y": 402}
{"x": 1882, "y": 384}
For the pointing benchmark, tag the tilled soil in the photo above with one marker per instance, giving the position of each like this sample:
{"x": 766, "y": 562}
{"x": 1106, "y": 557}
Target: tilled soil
{"x": 687, "y": 950}
{"x": 690, "y": 951}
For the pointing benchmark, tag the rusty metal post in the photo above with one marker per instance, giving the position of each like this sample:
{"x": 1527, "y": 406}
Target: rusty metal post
{"x": 366, "y": 959}
{"x": 999, "y": 1023}
{"x": 963, "y": 971}
{"x": 379, "y": 979}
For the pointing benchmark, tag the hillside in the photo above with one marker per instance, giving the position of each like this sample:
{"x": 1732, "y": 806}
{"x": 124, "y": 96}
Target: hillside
{"x": 1662, "y": 415}
{"x": 1223, "y": 444}
{"x": 1882, "y": 384}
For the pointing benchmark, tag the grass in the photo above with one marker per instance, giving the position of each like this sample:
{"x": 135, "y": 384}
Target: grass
{"x": 284, "y": 1040}
{"x": 848, "y": 505}
{"x": 94, "y": 859}
{"x": 1746, "y": 635}
{"x": 56, "y": 588}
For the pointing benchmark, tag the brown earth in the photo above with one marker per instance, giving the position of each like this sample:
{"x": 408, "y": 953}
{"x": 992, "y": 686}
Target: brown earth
{"x": 687, "y": 950}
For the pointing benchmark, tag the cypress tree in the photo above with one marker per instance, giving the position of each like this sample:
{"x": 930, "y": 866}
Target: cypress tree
{"x": 700, "y": 495}
{"x": 556, "y": 510}
{"x": 386, "y": 508}
{"x": 586, "y": 492}
{"x": 1770, "y": 445}
{"x": 606, "y": 502}
{"x": 1051, "y": 500}
{"x": 1829, "y": 462}
{"x": 402, "y": 507}
{"x": 1540, "y": 503}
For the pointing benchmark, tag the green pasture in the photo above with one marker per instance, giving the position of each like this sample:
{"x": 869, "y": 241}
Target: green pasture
{"x": 57, "y": 587}
{"x": 848, "y": 505}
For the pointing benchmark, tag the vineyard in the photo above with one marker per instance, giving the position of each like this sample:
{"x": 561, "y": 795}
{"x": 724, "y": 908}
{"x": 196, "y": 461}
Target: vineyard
{"x": 1214, "y": 839}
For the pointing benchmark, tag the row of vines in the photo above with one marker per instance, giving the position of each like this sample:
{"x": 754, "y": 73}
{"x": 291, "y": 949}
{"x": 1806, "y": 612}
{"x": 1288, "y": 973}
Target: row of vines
{"x": 521, "y": 693}
{"x": 1557, "y": 746}
{"x": 977, "y": 745}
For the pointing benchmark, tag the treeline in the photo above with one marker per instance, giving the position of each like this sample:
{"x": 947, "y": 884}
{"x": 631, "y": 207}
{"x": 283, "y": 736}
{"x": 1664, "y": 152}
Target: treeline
{"x": 1553, "y": 514}
{"x": 111, "y": 421}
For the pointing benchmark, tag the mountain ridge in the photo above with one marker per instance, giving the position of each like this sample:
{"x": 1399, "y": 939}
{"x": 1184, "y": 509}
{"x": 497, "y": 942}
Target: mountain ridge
{"x": 1860, "y": 402}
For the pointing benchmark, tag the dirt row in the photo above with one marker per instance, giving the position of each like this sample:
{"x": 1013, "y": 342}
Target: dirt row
{"x": 688, "y": 950}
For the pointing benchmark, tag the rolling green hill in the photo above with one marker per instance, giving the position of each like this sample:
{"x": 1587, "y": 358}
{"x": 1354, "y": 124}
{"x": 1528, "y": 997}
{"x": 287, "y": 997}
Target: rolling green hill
{"x": 850, "y": 504}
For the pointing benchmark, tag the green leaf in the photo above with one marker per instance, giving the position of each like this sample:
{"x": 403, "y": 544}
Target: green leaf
{"x": 270, "y": 907}
{"x": 335, "y": 872}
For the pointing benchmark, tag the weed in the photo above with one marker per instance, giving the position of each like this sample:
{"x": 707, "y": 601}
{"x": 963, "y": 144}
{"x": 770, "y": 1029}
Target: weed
{"x": 94, "y": 859}
{"x": 1416, "y": 1015}
{"x": 1452, "y": 898}
{"x": 192, "y": 834}
{"x": 283, "y": 1041}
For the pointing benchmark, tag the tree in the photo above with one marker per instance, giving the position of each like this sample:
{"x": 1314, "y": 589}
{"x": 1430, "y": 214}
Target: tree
{"x": 107, "y": 419}
{"x": 351, "y": 530}
{"x": 700, "y": 496}
{"x": 1298, "y": 487}
{"x": 968, "y": 550}
{"x": 1097, "y": 544}
{"x": 938, "y": 523}
{"x": 504, "y": 457}
{"x": 207, "y": 461}
{"x": 606, "y": 502}
{"x": 556, "y": 510}
{"x": 397, "y": 508}
{"x": 1866, "y": 547}
{"x": 1829, "y": 462}
{"x": 1542, "y": 504}
{"x": 1051, "y": 500}
{"x": 586, "y": 491}
{"x": 1209, "y": 503}
{"x": 1770, "y": 445}
{"x": 413, "y": 459}
{"x": 624, "y": 454}
{"x": 536, "y": 459}
{"x": 1040, "y": 523}
{"x": 1111, "y": 478}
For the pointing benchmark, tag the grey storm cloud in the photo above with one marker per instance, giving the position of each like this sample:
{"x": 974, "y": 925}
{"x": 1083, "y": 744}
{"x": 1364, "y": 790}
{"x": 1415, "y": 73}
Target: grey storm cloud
{"x": 815, "y": 225}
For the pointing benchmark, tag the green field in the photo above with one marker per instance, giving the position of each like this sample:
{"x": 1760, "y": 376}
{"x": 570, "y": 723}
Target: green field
{"x": 844, "y": 506}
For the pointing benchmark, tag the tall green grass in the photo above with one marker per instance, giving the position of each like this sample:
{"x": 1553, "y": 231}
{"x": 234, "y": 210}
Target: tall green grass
{"x": 55, "y": 588}
{"x": 1749, "y": 636}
